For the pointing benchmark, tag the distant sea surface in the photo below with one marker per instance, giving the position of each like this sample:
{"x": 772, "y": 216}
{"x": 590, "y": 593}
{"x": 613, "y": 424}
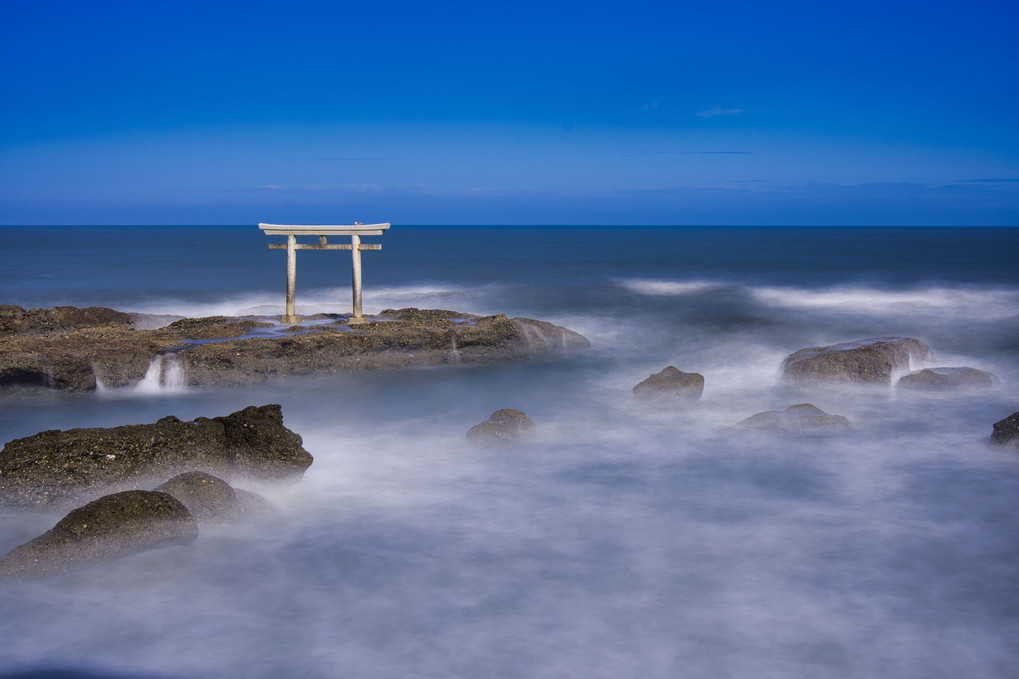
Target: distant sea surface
{"x": 623, "y": 541}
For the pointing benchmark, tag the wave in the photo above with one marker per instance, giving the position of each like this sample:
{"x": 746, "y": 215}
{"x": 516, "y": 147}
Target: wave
{"x": 960, "y": 301}
{"x": 333, "y": 300}
{"x": 987, "y": 303}
{"x": 667, "y": 288}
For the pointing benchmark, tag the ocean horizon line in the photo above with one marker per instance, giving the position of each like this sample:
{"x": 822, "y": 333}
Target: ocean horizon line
{"x": 536, "y": 226}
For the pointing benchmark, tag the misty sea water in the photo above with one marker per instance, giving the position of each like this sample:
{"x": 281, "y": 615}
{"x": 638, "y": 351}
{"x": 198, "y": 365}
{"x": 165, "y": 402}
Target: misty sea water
{"x": 622, "y": 541}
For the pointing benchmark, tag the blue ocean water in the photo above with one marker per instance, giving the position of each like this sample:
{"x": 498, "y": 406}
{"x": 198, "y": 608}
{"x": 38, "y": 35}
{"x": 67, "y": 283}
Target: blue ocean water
{"x": 623, "y": 541}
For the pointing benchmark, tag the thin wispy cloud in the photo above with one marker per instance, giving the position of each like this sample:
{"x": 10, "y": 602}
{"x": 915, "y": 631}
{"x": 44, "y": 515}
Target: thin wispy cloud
{"x": 684, "y": 153}
{"x": 991, "y": 180}
{"x": 339, "y": 159}
{"x": 719, "y": 111}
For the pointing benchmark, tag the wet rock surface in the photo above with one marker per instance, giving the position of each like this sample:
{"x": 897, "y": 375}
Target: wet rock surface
{"x": 802, "y": 417}
{"x": 669, "y": 385}
{"x": 863, "y": 361}
{"x": 504, "y": 425}
{"x": 1006, "y": 431}
{"x": 67, "y": 466}
{"x": 947, "y": 379}
{"x": 81, "y": 349}
{"x": 111, "y": 527}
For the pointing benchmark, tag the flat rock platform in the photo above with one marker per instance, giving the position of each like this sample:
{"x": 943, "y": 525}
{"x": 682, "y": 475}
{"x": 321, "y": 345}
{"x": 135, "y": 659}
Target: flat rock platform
{"x": 84, "y": 349}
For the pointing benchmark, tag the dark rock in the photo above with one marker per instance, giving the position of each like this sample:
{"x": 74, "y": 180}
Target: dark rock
{"x": 863, "y": 361}
{"x": 62, "y": 466}
{"x": 223, "y": 351}
{"x": 671, "y": 384}
{"x": 504, "y": 425}
{"x": 204, "y": 495}
{"x": 14, "y": 319}
{"x": 802, "y": 417}
{"x": 947, "y": 379}
{"x": 260, "y": 446}
{"x": 1006, "y": 431}
{"x": 105, "y": 529}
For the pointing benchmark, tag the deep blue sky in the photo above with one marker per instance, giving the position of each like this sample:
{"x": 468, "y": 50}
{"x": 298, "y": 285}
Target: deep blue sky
{"x": 509, "y": 113}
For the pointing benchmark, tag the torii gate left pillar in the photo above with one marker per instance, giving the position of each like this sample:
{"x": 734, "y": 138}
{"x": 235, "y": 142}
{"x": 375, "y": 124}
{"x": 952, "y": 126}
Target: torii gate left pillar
{"x": 323, "y": 231}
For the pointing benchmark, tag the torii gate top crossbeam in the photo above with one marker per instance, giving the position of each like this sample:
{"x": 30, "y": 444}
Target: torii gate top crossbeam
{"x": 323, "y": 229}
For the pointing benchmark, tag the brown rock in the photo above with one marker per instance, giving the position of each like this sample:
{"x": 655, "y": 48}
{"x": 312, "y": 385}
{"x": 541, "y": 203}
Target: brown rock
{"x": 802, "y": 417}
{"x": 108, "y": 528}
{"x": 862, "y": 361}
{"x": 671, "y": 384}
{"x": 504, "y": 425}
{"x": 204, "y": 495}
{"x": 64, "y": 466}
{"x": 1006, "y": 431}
{"x": 947, "y": 379}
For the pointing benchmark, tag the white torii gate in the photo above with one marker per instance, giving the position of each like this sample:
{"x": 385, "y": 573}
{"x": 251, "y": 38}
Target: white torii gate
{"x": 292, "y": 231}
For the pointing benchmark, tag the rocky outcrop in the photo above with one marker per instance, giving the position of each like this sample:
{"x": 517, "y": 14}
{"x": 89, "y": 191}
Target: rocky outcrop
{"x": 864, "y": 361}
{"x": 64, "y": 466}
{"x": 947, "y": 379}
{"x": 504, "y": 425}
{"x": 110, "y": 349}
{"x": 108, "y": 528}
{"x": 670, "y": 385}
{"x": 1006, "y": 431}
{"x": 802, "y": 417}
{"x": 61, "y": 319}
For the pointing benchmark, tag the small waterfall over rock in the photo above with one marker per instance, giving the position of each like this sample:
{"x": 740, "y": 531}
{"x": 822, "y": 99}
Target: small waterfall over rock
{"x": 542, "y": 341}
{"x": 455, "y": 351}
{"x": 165, "y": 374}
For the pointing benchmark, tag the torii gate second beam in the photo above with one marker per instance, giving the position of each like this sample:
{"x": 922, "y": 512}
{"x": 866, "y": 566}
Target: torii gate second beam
{"x": 355, "y": 231}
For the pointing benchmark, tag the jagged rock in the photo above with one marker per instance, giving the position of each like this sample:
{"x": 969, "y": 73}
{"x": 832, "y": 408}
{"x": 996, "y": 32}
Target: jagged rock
{"x": 205, "y": 496}
{"x": 862, "y": 361}
{"x": 62, "y": 466}
{"x": 671, "y": 384}
{"x": 105, "y": 529}
{"x": 14, "y": 319}
{"x": 947, "y": 379}
{"x": 1006, "y": 431}
{"x": 504, "y": 425}
{"x": 802, "y": 417}
{"x": 236, "y": 351}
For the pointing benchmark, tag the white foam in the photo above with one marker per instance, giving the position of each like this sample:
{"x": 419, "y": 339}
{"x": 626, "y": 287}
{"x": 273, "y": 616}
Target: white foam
{"x": 662, "y": 288}
{"x": 980, "y": 303}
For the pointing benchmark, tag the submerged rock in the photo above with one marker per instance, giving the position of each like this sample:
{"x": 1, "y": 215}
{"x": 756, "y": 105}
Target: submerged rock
{"x": 862, "y": 361}
{"x": 204, "y": 495}
{"x": 111, "y": 349}
{"x": 210, "y": 498}
{"x": 61, "y": 466}
{"x": 105, "y": 529}
{"x": 1006, "y": 431}
{"x": 802, "y": 417}
{"x": 947, "y": 379}
{"x": 504, "y": 425}
{"x": 671, "y": 384}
